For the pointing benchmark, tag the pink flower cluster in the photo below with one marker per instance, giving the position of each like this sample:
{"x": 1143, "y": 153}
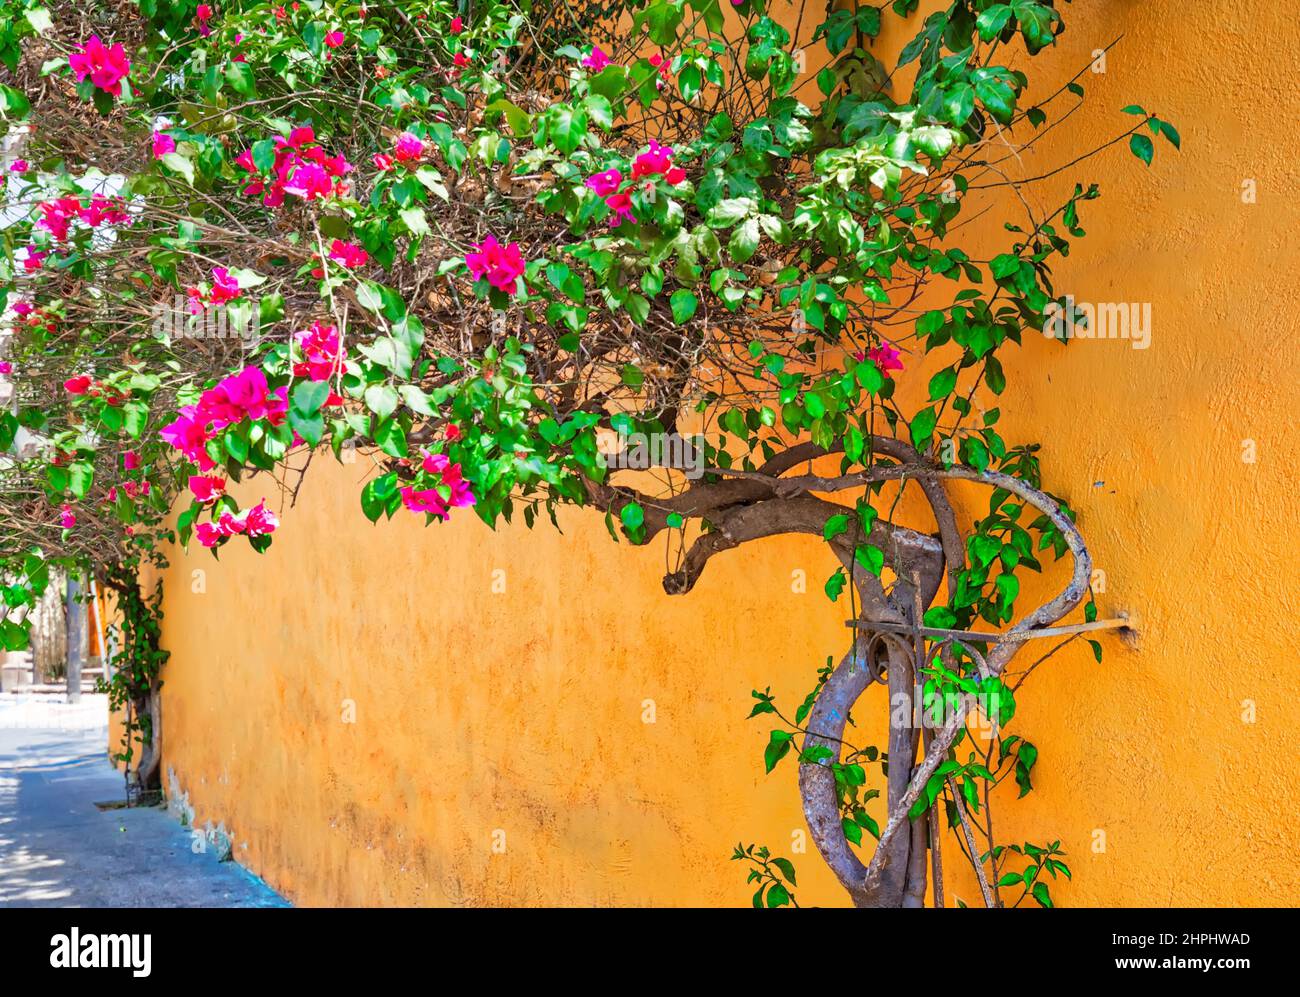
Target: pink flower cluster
{"x": 886, "y": 357}
{"x": 105, "y": 66}
{"x": 59, "y": 214}
{"x": 132, "y": 489}
{"x": 319, "y": 346}
{"x": 207, "y": 488}
{"x": 451, "y": 491}
{"x": 348, "y": 254}
{"x": 657, "y": 160}
{"x": 201, "y": 17}
{"x": 224, "y": 288}
{"x": 162, "y": 144}
{"x": 595, "y": 60}
{"x": 665, "y": 69}
{"x": 301, "y": 168}
{"x": 244, "y": 395}
{"x": 345, "y": 254}
{"x": 501, "y": 265}
{"x": 256, "y": 521}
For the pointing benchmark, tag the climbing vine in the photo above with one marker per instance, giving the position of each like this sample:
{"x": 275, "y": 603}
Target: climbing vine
{"x": 509, "y": 254}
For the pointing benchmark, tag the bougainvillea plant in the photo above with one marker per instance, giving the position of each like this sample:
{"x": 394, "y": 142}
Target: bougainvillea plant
{"x": 477, "y": 241}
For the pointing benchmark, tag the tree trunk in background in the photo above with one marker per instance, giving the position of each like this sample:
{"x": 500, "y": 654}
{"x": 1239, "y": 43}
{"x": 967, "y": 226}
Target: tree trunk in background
{"x": 50, "y": 633}
{"x": 78, "y": 634}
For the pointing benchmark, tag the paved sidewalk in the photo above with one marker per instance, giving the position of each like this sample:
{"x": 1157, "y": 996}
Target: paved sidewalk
{"x": 57, "y": 849}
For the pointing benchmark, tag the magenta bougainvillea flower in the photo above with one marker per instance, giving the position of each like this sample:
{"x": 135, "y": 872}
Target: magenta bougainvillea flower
{"x": 426, "y": 500}
{"x": 106, "y": 67}
{"x": 408, "y": 148}
{"x": 886, "y": 357}
{"x": 202, "y": 16}
{"x": 334, "y": 39}
{"x": 255, "y": 522}
{"x": 57, "y": 215}
{"x": 207, "y": 488}
{"x": 448, "y": 488}
{"x": 665, "y": 69}
{"x": 451, "y": 477}
{"x": 301, "y": 168}
{"x": 189, "y": 434}
{"x": 33, "y": 258}
{"x": 348, "y": 254}
{"x": 103, "y": 209}
{"x": 457, "y": 25}
{"x": 605, "y": 183}
{"x": 77, "y": 385}
{"x": 657, "y": 160}
{"x": 67, "y": 518}
{"x": 19, "y": 166}
{"x": 224, "y": 288}
{"x": 620, "y": 206}
{"x": 130, "y": 461}
{"x": 595, "y": 60}
{"x": 162, "y": 144}
{"x": 319, "y": 346}
{"x": 6, "y": 368}
{"x": 242, "y": 395}
{"x": 502, "y": 266}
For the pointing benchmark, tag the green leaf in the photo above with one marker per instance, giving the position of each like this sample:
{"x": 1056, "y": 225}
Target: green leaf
{"x": 992, "y": 21}
{"x": 381, "y": 399}
{"x": 1142, "y": 147}
{"x": 852, "y": 830}
{"x": 835, "y": 584}
{"x": 175, "y": 161}
{"x": 777, "y": 896}
{"x": 923, "y": 427}
{"x": 778, "y": 746}
{"x": 415, "y": 220}
{"x": 240, "y": 77}
{"x": 871, "y": 557}
{"x": 307, "y": 397}
{"x": 684, "y": 304}
{"x": 632, "y": 515}
{"x": 40, "y": 20}
{"x": 942, "y": 383}
{"x": 744, "y": 241}
{"x": 310, "y": 426}
{"x": 835, "y": 526}
{"x": 566, "y": 127}
{"x": 391, "y": 438}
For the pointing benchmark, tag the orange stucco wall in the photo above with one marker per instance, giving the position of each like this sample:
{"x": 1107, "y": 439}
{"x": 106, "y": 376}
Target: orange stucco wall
{"x": 519, "y": 717}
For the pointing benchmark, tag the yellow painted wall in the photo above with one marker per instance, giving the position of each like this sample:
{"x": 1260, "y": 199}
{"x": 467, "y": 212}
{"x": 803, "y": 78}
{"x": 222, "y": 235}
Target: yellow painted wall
{"x": 522, "y": 711}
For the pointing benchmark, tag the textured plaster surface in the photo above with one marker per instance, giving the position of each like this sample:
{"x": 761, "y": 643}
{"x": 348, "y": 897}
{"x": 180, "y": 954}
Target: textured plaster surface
{"x": 374, "y": 722}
